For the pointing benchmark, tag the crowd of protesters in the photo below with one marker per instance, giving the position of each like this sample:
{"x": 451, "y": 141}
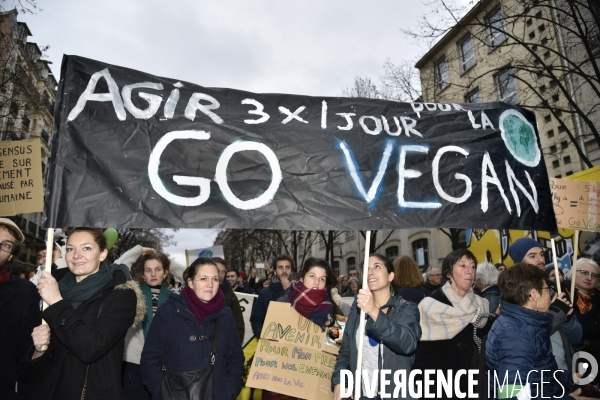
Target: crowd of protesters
{"x": 107, "y": 336}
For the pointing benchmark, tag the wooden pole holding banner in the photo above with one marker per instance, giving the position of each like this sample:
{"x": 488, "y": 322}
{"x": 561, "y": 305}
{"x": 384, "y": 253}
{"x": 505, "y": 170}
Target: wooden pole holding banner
{"x": 574, "y": 266}
{"x": 361, "y": 324}
{"x": 555, "y": 262}
{"x": 48, "y": 267}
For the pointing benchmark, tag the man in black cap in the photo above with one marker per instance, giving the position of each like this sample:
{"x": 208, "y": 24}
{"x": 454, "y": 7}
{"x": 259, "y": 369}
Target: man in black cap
{"x": 19, "y": 311}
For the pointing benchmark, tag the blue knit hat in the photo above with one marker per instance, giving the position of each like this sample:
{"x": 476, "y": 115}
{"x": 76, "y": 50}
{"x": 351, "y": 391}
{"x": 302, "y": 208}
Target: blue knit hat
{"x": 520, "y": 247}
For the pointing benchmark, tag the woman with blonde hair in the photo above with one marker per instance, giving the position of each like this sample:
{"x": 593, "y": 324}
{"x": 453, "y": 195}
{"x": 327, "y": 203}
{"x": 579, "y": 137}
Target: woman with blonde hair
{"x": 586, "y": 303}
{"x": 408, "y": 279}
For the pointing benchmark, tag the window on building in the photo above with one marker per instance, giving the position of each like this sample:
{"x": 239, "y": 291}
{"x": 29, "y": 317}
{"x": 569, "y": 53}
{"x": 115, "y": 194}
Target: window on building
{"x": 336, "y": 268}
{"x": 555, "y": 164}
{"x": 555, "y": 98}
{"x": 541, "y": 28}
{"x": 553, "y": 149}
{"x": 532, "y": 35}
{"x": 543, "y": 89}
{"x": 351, "y": 261}
{"x": 26, "y": 123}
{"x": 529, "y": 22}
{"x": 507, "y": 88}
{"x": 538, "y": 15}
{"x": 564, "y": 144}
{"x": 473, "y": 97}
{"x": 569, "y": 173}
{"x": 421, "y": 252}
{"x": 349, "y": 234}
{"x": 558, "y": 114}
{"x": 562, "y": 129}
{"x": 442, "y": 75}
{"x": 392, "y": 252}
{"x": 547, "y": 118}
{"x": 558, "y": 176}
{"x": 553, "y": 84}
{"x": 546, "y": 55}
{"x": 467, "y": 53}
{"x": 544, "y": 42}
{"x": 495, "y": 21}
{"x": 567, "y": 160}
{"x": 534, "y": 48}
{"x": 551, "y": 133}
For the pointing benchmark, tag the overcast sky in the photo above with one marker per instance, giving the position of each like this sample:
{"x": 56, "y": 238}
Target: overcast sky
{"x": 307, "y": 47}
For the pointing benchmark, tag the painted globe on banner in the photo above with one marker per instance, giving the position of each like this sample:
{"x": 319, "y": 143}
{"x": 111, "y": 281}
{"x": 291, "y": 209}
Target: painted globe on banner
{"x": 206, "y": 253}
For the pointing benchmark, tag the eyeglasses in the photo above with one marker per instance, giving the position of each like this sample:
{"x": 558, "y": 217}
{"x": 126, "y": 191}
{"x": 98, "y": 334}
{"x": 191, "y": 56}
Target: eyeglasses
{"x": 586, "y": 274}
{"x": 436, "y": 274}
{"x": 7, "y": 247}
{"x": 551, "y": 291}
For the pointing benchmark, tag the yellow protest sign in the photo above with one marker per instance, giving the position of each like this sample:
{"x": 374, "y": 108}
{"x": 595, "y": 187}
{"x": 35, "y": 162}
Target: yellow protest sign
{"x": 576, "y": 204}
{"x": 21, "y": 177}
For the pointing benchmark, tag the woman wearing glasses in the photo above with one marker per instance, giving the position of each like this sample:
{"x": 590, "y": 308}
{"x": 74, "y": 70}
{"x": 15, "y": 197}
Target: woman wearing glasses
{"x": 518, "y": 344}
{"x": 353, "y": 287}
{"x": 183, "y": 333}
{"x": 587, "y": 303}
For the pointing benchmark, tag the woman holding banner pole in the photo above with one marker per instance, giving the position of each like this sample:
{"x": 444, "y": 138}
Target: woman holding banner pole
{"x": 391, "y": 333}
{"x": 90, "y": 307}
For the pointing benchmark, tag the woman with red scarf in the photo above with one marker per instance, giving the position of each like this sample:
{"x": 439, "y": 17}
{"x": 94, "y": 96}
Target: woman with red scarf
{"x": 182, "y": 334}
{"x": 311, "y": 298}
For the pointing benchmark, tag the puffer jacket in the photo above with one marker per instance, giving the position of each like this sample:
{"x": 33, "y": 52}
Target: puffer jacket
{"x": 519, "y": 343}
{"x": 398, "y": 330}
{"x": 177, "y": 339}
{"x": 94, "y": 335}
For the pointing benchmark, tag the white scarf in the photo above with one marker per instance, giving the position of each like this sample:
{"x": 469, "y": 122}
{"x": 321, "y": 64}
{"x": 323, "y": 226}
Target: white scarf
{"x": 440, "y": 321}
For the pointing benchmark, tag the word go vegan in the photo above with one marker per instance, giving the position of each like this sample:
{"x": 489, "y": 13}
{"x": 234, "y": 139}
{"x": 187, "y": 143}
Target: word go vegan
{"x": 208, "y": 105}
{"x": 419, "y": 384}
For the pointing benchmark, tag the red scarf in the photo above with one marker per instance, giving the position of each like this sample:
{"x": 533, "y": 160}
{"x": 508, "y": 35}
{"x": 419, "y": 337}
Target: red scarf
{"x": 5, "y": 272}
{"x": 200, "y": 308}
{"x": 584, "y": 301}
{"x": 313, "y": 304}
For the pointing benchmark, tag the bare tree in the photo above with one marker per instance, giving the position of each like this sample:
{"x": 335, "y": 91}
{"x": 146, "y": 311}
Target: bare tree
{"x": 550, "y": 47}
{"x": 155, "y": 238}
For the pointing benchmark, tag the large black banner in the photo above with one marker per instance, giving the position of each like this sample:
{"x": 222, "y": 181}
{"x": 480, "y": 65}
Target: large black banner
{"x": 133, "y": 150}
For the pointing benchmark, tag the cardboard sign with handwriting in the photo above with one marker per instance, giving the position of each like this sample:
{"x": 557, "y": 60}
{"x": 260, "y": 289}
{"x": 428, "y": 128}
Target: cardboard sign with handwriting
{"x": 293, "y": 356}
{"x": 576, "y": 204}
{"x": 21, "y": 186}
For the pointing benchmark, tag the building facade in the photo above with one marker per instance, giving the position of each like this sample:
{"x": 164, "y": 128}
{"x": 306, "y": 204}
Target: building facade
{"x": 515, "y": 51}
{"x": 27, "y": 96}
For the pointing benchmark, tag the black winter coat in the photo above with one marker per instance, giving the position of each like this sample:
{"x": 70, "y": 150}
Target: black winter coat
{"x": 261, "y": 304}
{"x": 82, "y": 337}
{"x": 19, "y": 314}
{"x": 174, "y": 338}
{"x": 454, "y": 354}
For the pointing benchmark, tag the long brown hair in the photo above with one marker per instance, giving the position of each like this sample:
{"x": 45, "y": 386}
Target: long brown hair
{"x": 407, "y": 273}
